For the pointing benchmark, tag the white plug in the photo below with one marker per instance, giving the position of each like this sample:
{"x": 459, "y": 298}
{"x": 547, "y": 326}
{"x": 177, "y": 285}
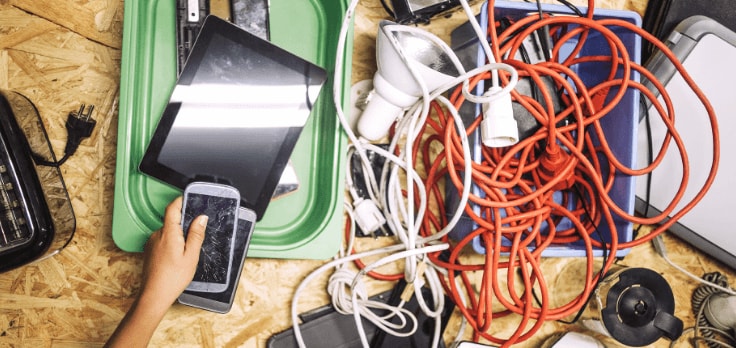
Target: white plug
{"x": 367, "y": 216}
{"x": 498, "y": 128}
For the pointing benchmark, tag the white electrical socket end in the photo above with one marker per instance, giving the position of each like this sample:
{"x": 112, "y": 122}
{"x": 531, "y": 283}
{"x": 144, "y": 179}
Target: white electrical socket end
{"x": 367, "y": 216}
{"x": 498, "y": 128}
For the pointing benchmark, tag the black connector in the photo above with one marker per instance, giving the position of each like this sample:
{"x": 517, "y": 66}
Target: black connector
{"x": 79, "y": 125}
{"x": 419, "y": 11}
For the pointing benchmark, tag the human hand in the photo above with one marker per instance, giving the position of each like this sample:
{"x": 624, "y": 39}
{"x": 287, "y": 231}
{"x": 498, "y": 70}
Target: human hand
{"x": 170, "y": 261}
{"x": 169, "y": 264}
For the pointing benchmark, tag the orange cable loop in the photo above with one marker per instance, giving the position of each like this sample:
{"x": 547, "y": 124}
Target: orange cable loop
{"x": 513, "y": 196}
{"x": 500, "y": 179}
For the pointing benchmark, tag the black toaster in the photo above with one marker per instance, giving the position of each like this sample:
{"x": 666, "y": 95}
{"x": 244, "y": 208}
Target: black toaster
{"x": 36, "y": 216}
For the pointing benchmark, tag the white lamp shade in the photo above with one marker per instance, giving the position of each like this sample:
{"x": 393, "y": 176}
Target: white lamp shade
{"x": 394, "y": 87}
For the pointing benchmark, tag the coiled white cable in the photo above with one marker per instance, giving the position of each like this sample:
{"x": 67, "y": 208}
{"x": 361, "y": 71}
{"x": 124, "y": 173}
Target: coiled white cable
{"x": 397, "y": 255}
{"x": 388, "y": 197}
{"x": 392, "y": 258}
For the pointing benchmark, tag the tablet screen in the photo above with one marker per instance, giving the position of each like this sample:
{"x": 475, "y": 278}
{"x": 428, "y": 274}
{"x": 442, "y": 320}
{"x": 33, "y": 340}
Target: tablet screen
{"x": 234, "y": 115}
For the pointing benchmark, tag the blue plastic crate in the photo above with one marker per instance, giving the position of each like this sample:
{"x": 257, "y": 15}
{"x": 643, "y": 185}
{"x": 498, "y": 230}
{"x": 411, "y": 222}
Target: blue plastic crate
{"x": 620, "y": 125}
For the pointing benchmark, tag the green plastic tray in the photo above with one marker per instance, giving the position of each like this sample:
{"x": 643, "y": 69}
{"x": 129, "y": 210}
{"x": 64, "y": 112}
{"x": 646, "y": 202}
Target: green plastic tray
{"x": 303, "y": 224}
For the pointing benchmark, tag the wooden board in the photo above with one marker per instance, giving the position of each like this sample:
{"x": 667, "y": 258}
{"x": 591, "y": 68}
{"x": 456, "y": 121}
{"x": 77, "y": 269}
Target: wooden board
{"x": 65, "y": 52}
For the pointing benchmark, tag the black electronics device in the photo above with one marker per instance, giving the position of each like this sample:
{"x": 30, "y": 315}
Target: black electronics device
{"x": 420, "y": 11}
{"x": 235, "y": 114}
{"x": 251, "y": 15}
{"x": 636, "y": 307}
{"x": 190, "y": 15}
{"x": 359, "y": 176}
{"x": 222, "y": 302}
{"x": 325, "y": 327}
{"x": 36, "y": 216}
{"x": 25, "y": 218}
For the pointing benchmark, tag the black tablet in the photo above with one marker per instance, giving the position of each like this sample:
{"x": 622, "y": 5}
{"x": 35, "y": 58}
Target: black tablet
{"x": 234, "y": 115}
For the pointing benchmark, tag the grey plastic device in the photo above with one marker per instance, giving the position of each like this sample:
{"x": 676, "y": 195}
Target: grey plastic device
{"x": 706, "y": 49}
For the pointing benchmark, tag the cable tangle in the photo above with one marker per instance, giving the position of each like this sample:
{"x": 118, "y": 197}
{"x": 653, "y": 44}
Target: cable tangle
{"x": 526, "y": 190}
{"x": 553, "y": 187}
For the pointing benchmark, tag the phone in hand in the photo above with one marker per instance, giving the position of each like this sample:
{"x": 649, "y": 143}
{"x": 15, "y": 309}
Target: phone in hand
{"x": 222, "y": 302}
{"x": 220, "y": 203}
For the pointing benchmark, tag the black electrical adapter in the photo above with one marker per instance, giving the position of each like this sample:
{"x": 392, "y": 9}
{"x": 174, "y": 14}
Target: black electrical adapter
{"x": 419, "y": 11}
{"x": 532, "y": 52}
{"x": 361, "y": 187}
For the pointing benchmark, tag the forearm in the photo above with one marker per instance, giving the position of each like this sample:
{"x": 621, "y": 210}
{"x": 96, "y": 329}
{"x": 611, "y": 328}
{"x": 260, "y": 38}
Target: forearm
{"x": 139, "y": 324}
{"x": 169, "y": 264}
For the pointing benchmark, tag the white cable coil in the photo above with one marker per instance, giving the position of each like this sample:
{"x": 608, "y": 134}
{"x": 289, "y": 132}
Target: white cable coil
{"x": 386, "y": 194}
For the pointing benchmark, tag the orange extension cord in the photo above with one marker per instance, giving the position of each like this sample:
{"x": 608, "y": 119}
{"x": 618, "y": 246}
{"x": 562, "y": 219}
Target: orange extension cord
{"x": 518, "y": 182}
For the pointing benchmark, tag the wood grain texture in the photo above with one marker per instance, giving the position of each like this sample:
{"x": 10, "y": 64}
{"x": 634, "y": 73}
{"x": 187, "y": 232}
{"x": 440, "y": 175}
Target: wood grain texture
{"x": 94, "y": 19}
{"x": 65, "y": 52}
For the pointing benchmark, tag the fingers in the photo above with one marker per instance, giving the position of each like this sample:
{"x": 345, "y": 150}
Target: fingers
{"x": 173, "y": 212}
{"x": 195, "y": 237}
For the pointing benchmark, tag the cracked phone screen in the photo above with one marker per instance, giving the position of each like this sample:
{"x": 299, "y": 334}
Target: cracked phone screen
{"x": 242, "y": 236}
{"x": 214, "y": 258}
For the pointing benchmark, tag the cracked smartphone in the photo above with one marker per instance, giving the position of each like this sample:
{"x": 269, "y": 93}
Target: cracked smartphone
{"x": 220, "y": 203}
{"x": 221, "y": 302}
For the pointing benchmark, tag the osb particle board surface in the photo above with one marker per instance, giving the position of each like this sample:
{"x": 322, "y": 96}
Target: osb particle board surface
{"x": 65, "y": 52}
{"x": 61, "y": 54}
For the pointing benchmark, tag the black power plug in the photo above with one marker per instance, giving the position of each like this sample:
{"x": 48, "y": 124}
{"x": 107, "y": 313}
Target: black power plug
{"x": 79, "y": 125}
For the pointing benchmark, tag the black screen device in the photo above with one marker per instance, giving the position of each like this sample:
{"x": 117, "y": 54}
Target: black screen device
{"x": 220, "y": 203}
{"x": 222, "y": 302}
{"x": 325, "y": 327}
{"x": 235, "y": 114}
{"x": 251, "y": 15}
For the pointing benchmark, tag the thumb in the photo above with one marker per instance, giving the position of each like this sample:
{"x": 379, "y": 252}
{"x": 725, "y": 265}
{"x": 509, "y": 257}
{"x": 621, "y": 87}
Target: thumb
{"x": 195, "y": 236}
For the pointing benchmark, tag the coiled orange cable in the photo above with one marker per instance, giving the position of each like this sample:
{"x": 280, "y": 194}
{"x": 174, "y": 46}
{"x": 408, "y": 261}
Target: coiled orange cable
{"x": 517, "y": 189}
